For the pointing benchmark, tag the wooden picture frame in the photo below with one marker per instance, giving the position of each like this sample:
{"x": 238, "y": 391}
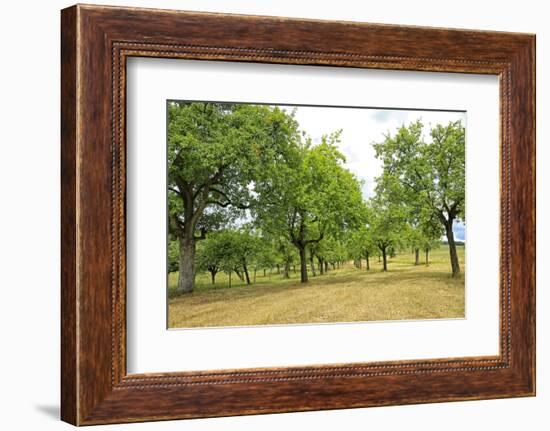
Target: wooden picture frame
{"x": 95, "y": 43}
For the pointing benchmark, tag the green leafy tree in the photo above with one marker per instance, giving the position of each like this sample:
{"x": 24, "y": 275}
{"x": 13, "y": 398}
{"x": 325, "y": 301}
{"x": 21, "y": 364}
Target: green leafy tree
{"x": 311, "y": 248}
{"x": 430, "y": 175}
{"x": 265, "y": 256}
{"x": 353, "y": 245}
{"x": 415, "y": 239}
{"x": 216, "y": 152}
{"x": 361, "y": 245}
{"x": 246, "y": 250}
{"x": 226, "y": 247}
{"x": 335, "y": 251}
{"x": 234, "y": 250}
{"x": 309, "y": 196}
{"x": 173, "y": 255}
{"x": 320, "y": 251}
{"x": 431, "y": 234}
{"x": 229, "y": 250}
{"x": 386, "y": 227}
{"x": 286, "y": 255}
{"x": 211, "y": 254}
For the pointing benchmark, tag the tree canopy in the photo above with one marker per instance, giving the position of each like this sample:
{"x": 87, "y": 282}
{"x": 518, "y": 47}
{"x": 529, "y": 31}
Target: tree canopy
{"x": 216, "y": 152}
{"x": 310, "y": 197}
{"x": 429, "y": 177}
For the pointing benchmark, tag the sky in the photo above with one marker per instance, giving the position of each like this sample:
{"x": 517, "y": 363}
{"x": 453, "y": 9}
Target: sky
{"x": 361, "y": 127}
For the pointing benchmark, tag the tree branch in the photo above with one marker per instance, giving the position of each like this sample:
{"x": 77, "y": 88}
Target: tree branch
{"x": 314, "y": 241}
{"x": 196, "y": 192}
{"x": 176, "y": 191}
{"x": 197, "y": 213}
{"x": 228, "y": 200}
{"x": 442, "y": 217}
{"x": 221, "y": 204}
{"x": 226, "y": 204}
{"x": 222, "y": 193}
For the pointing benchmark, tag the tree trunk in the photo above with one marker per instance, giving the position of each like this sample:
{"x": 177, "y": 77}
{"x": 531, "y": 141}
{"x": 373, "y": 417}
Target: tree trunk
{"x": 326, "y": 266}
{"x": 427, "y": 251}
{"x": 186, "y": 266}
{"x": 313, "y": 272}
{"x": 230, "y": 278}
{"x": 213, "y": 277}
{"x": 384, "y": 260}
{"x": 245, "y": 269}
{"x": 239, "y": 274}
{"x": 416, "y": 256}
{"x": 321, "y": 267}
{"x": 286, "y": 270}
{"x": 452, "y": 248}
{"x": 303, "y": 265}
{"x": 255, "y": 271}
{"x": 278, "y": 269}
{"x": 367, "y": 259}
{"x": 264, "y": 273}
{"x": 294, "y": 268}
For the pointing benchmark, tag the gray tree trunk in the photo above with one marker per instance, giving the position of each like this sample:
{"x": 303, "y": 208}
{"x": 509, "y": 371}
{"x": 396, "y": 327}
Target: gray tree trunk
{"x": 245, "y": 269}
{"x": 239, "y": 274}
{"x": 313, "y": 272}
{"x": 286, "y": 270}
{"x": 303, "y": 265}
{"x": 455, "y": 266}
{"x": 384, "y": 260}
{"x": 186, "y": 265}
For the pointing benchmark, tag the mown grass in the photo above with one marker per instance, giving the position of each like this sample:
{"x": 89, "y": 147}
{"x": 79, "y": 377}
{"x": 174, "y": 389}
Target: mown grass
{"x": 348, "y": 294}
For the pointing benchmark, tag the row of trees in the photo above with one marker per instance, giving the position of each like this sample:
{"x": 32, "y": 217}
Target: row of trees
{"x": 255, "y": 192}
{"x": 244, "y": 252}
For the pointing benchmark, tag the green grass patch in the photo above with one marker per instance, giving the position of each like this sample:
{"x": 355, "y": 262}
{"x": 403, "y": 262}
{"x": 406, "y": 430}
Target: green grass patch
{"x": 405, "y": 291}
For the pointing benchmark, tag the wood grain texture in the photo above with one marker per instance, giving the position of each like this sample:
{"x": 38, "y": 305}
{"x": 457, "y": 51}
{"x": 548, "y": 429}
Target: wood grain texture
{"x": 69, "y": 366}
{"x": 96, "y": 41}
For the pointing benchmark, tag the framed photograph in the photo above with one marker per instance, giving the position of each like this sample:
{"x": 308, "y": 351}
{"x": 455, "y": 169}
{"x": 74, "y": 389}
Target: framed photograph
{"x": 266, "y": 215}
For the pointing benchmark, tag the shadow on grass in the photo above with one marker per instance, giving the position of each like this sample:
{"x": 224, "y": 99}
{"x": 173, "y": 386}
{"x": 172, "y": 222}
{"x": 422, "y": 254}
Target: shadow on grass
{"x": 344, "y": 277}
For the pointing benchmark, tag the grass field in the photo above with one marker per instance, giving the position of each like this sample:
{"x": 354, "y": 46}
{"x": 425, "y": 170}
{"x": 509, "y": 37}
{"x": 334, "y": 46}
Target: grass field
{"x": 348, "y": 294}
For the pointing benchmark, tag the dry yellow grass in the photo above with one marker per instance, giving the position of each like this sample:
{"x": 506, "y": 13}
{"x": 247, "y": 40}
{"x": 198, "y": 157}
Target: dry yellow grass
{"x": 348, "y": 294}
